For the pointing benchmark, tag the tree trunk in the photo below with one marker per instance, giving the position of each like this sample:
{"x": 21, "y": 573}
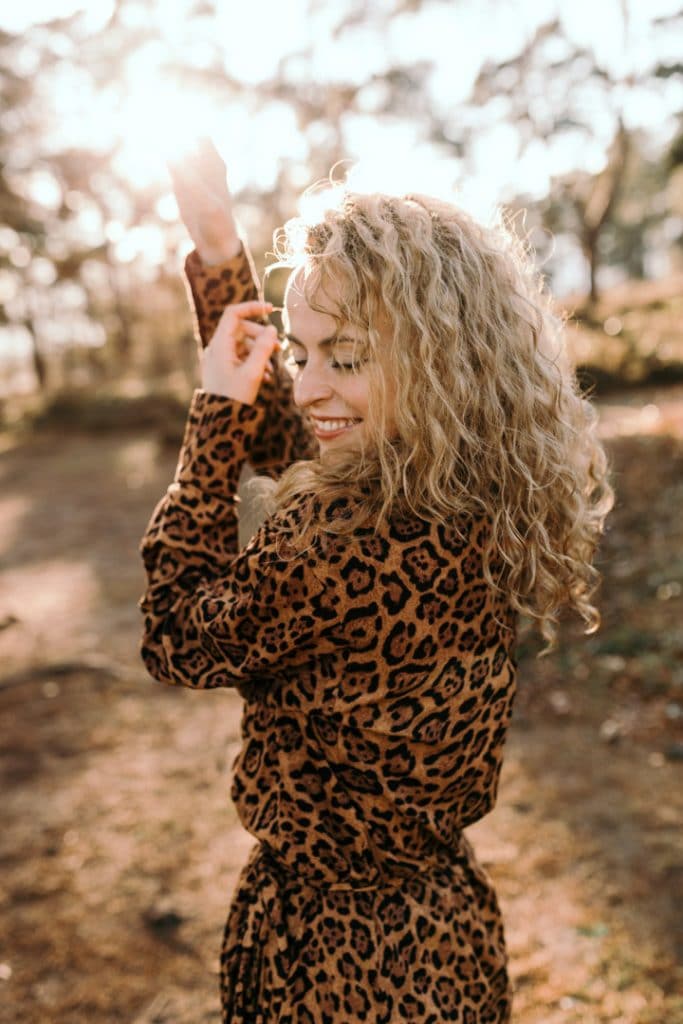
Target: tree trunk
{"x": 37, "y": 358}
{"x": 123, "y": 340}
{"x": 595, "y": 212}
{"x": 589, "y": 244}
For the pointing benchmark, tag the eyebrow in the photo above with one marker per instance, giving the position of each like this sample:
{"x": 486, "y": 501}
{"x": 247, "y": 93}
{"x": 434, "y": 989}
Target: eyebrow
{"x": 325, "y": 343}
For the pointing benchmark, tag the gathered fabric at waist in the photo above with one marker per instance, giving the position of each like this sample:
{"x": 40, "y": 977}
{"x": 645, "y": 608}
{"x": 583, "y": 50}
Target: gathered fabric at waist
{"x": 279, "y": 922}
{"x": 381, "y": 868}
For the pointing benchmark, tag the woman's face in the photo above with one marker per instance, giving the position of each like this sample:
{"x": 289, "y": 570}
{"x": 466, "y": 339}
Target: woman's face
{"x": 326, "y": 387}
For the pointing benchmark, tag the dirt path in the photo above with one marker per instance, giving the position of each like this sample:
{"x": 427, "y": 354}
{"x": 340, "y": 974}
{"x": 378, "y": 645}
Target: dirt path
{"x": 119, "y": 847}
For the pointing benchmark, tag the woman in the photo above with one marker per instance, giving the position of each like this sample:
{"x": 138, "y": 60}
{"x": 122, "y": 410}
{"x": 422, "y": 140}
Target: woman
{"x": 439, "y": 475}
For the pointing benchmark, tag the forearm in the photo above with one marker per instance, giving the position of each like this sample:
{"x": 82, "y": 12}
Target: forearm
{"x": 213, "y": 287}
{"x": 192, "y": 536}
{"x": 286, "y": 434}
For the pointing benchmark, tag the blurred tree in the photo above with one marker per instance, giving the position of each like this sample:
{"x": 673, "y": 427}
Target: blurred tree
{"x": 75, "y": 263}
{"x": 562, "y": 97}
{"x": 639, "y": 232}
{"x": 553, "y": 92}
{"x": 22, "y": 227}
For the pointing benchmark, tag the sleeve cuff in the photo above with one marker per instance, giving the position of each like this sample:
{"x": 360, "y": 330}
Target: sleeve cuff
{"x": 196, "y": 267}
{"x": 232, "y": 269}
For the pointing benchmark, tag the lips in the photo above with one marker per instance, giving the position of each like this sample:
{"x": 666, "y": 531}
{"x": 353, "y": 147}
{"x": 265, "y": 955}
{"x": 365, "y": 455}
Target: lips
{"x": 328, "y": 427}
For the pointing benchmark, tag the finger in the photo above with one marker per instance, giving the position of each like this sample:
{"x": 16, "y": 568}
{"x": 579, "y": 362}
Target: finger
{"x": 184, "y": 174}
{"x": 181, "y": 175}
{"x": 261, "y": 351}
{"x": 252, "y": 328}
{"x": 241, "y": 311}
{"x": 252, "y": 305}
{"x": 195, "y": 193}
{"x": 244, "y": 350}
{"x": 237, "y": 337}
{"x": 192, "y": 191}
{"x": 201, "y": 171}
{"x": 189, "y": 154}
{"x": 245, "y": 345}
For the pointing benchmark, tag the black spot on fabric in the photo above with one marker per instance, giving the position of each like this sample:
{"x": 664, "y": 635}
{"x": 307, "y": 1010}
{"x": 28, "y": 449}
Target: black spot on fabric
{"x": 398, "y": 644}
{"x": 422, "y": 564}
{"x": 360, "y": 780}
{"x": 359, "y": 577}
{"x": 405, "y": 530}
{"x": 395, "y": 594}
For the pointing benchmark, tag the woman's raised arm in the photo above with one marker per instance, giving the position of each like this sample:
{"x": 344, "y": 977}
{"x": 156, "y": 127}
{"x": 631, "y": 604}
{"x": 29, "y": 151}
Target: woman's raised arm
{"x": 220, "y": 272}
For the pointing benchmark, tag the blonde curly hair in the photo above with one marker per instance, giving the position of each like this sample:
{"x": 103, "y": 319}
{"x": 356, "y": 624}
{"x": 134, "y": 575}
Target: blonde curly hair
{"x": 490, "y": 421}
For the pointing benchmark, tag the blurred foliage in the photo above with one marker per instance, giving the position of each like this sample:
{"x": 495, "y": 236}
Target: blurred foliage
{"x": 86, "y": 312}
{"x": 104, "y": 412}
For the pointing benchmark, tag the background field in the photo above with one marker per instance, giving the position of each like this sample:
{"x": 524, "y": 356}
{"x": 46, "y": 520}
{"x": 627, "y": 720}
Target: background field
{"x": 119, "y": 846}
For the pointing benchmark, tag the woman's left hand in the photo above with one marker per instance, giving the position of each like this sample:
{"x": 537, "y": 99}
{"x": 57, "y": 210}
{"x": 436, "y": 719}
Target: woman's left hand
{"x": 236, "y": 359}
{"x": 205, "y": 202}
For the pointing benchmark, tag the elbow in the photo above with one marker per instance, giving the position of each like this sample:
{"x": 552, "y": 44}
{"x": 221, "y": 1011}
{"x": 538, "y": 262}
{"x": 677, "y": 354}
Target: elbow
{"x": 184, "y": 657}
{"x": 155, "y": 662}
{"x": 190, "y": 667}
{"x": 152, "y": 649}
{"x": 148, "y": 648}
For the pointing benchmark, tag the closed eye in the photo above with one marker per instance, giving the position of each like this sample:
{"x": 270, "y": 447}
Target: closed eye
{"x": 342, "y": 367}
{"x": 300, "y": 363}
{"x": 347, "y": 367}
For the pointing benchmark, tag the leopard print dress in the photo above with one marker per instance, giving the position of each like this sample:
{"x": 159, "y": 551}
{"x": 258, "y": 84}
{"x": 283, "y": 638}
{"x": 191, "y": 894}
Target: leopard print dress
{"x": 378, "y": 677}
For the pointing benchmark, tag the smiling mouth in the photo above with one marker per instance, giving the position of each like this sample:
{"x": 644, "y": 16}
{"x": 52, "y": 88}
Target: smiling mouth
{"x": 329, "y": 427}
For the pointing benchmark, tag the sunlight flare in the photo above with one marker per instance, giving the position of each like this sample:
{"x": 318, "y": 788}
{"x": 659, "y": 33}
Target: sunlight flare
{"x": 160, "y": 121}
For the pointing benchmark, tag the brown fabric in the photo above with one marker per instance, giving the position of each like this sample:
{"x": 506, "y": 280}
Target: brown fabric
{"x": 379, "y": 676}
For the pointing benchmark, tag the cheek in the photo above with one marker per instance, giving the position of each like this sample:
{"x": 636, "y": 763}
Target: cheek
{"x": 359, "y": 397}
{"x": 355, "y": 394}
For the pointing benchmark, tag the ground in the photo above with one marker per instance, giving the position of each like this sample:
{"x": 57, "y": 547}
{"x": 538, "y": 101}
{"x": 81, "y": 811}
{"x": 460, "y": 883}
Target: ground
{"x": 119, "y": 847}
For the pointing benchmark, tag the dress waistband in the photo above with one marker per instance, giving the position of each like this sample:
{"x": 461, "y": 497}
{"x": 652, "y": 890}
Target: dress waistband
{"x": 385, "y": 872}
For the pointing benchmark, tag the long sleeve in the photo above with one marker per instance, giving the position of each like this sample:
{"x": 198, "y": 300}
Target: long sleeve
{"x": 214, "y": 615}
{"x": 285, "y": 434}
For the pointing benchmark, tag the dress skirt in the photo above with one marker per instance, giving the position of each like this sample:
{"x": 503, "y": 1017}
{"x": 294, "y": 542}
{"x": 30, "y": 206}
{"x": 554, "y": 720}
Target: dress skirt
{"x": 426, "y": 947}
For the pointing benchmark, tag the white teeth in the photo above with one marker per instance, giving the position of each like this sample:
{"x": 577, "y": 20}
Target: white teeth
{"x": 331, "y": 425}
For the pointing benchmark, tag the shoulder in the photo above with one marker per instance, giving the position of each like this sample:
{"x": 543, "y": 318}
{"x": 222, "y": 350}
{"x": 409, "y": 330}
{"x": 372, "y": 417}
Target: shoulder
{"x": 424, "y": 554}
{"x": 419, "y": 551}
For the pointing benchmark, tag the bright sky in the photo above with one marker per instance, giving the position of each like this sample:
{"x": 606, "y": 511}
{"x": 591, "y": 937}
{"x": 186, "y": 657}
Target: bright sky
{"x": 151, "y": 115}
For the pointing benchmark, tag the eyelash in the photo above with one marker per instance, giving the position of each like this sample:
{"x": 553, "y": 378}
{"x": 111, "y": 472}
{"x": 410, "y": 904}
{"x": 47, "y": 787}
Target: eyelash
{"x": 299, "y": 363}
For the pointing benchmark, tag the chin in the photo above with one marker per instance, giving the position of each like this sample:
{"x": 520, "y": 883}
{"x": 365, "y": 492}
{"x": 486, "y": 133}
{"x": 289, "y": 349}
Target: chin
{"x": 331, "y": 452}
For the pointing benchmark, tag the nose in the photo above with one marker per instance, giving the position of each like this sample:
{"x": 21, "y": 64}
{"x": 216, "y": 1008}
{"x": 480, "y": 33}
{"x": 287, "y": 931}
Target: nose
{"x": 310, "y": 386}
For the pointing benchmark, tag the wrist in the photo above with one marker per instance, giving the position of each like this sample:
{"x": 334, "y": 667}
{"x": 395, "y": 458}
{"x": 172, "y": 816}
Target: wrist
{"x": 216, "y": 385}
{"x": 220, "y": 252}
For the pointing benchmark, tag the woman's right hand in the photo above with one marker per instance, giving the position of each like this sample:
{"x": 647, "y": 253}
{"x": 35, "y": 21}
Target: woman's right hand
{"x": 235, "y": 361}
{"x": 205, "y": 203}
